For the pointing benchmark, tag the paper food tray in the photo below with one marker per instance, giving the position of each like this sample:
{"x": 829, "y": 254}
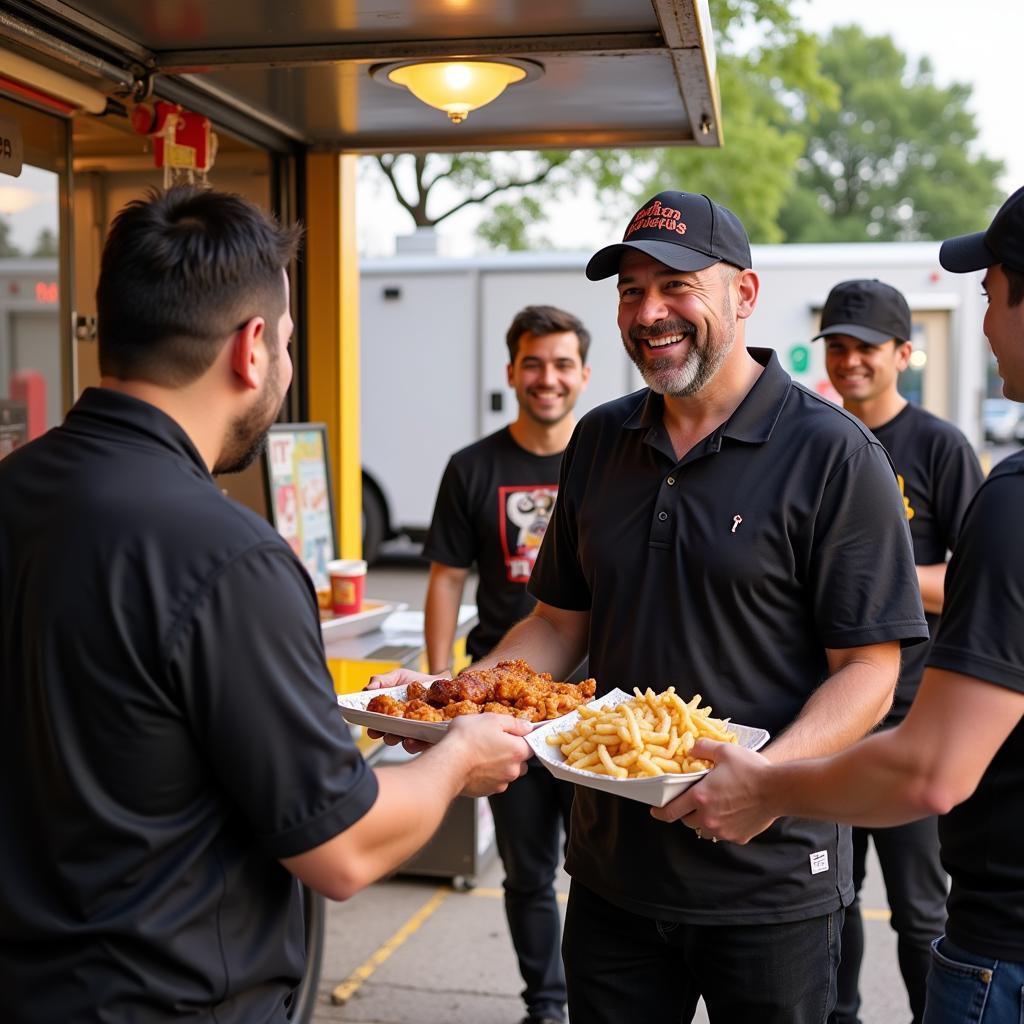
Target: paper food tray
{"x": 335, "y": 627}
{"x": 353, "y": 709}
{"x": 656, "y": 791}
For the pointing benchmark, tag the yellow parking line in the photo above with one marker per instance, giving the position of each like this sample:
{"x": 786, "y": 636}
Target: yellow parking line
{"x": 875, "y": 915}
{"x": 351, "y": 984}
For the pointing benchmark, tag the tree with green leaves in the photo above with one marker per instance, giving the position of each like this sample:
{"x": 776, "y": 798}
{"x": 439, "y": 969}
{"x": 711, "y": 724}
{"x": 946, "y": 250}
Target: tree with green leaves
{"x": 767, "y": 87}
{"x": 46, "y": 244}
{"x": 7, "y": 248}
{"x": 893, "y": 161}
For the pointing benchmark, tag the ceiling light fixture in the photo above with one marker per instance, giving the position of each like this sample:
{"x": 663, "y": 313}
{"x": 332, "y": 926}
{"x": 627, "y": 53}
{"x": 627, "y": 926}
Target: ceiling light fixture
{"x": 457, "y": 86}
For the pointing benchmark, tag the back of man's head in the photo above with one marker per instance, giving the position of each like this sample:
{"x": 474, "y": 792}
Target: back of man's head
{"x": 182, "y": 270}
{"x": 543, "y": 320}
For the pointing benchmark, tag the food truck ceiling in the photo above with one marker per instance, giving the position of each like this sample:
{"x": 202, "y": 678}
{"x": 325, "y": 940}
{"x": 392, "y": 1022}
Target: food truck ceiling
{"x": 615, "y": 72}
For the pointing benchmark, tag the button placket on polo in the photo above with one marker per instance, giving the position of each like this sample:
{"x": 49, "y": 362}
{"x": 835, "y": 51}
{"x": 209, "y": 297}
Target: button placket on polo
{"x": 666, "y": 509}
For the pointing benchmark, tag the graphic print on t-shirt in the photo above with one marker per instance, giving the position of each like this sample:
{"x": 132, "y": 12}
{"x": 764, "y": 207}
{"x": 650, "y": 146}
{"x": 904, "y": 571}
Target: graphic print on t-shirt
{"x": 523, "y": 516}
{"x": 906, "y": 497}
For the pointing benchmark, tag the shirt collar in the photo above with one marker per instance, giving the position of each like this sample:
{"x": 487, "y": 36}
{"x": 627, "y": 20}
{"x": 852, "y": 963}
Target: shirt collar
{"x": 754, "y": 418}
{"x": 107, "y": 413}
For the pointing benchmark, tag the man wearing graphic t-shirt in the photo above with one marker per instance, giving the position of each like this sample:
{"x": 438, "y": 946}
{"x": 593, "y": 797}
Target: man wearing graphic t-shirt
{"x": 866, "y": 326}
{"x": 493, "y": 506}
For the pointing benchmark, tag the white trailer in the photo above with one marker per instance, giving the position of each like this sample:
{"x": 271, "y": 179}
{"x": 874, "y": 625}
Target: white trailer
{"x": 433, "y": 348}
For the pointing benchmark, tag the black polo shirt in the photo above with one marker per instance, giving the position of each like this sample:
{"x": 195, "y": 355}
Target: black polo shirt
{"x": 168, "y": 730}
{"x": 938, "y": 474}
{"x": 727, "y": 573}
{"x": 982, "y": 635}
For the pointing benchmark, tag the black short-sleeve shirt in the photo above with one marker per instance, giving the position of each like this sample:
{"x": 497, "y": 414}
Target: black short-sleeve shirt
{"x": 982, "y": 635}
{"x": 168, "y": 730}
{"x": 727, "y": 573}
{"x": 493, "y": 506}
{"x": 938, "y": 474}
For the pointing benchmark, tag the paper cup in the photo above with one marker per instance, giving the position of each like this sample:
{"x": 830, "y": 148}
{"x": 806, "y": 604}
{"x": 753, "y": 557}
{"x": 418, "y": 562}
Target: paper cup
{"x": 347, "y": 576}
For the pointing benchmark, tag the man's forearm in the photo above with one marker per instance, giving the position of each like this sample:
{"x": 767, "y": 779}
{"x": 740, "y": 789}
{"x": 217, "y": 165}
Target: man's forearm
{"x": 932, "y": 581}
{"x": 851, "y": 702}
{"x": 441, "y": 613}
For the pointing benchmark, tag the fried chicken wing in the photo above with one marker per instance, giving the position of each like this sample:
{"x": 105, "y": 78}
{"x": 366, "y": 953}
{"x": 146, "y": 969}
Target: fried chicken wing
{"x": 416, "y": 691}
{"x": 461, "y": 707}
{"x": 385, "y": 704}
{"x": 465, "y": 686}
{"x": 421, "y": 711}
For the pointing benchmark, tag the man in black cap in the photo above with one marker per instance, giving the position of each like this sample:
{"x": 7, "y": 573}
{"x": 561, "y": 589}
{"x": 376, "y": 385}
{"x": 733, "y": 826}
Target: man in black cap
{"x": 960, "y": 751}
{"x": 866, "y": 326}
{"x": 720, "y": 531}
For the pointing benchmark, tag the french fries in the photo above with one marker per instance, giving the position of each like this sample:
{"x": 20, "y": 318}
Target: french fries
{"x": 650, "y": 734}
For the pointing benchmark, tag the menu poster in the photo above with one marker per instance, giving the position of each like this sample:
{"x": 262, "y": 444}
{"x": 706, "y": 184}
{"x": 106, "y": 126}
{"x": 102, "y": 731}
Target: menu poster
{"x": 299, "y": 494}
{"x": 13, "y": 425}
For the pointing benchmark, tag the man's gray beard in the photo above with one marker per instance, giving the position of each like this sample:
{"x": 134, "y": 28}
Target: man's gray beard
{"x": 689, "y": 379}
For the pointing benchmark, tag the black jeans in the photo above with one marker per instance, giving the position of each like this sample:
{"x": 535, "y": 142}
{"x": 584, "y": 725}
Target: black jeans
{"x": 622, "y": 968}
{"x": 916, "y": 887}
{"x": 529, "y": 819}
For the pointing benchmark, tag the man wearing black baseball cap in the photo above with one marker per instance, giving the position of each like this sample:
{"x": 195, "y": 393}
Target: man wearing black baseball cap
{"x": 960, "y": 750}
{"x": 720, "y": 531}
{"x": 866, "y": 327}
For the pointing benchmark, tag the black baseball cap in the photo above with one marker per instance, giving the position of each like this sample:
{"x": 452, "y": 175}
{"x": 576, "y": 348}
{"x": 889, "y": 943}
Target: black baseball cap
{"x": 683, "y": 230}
{"x": 1003, "y": 242}
{"x": 869, "y": 310}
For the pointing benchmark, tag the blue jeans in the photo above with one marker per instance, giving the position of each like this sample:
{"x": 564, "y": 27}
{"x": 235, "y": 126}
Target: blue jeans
{"x": 964, "y": 988}
{"x": 622, "y": 968}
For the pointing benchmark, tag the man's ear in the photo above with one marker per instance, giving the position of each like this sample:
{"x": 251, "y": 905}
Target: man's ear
{"x": 747, "y": 286}
{"x": 248, "y": 358}
{"x": 903, "y": 351}
{"x": 509, "y": 369}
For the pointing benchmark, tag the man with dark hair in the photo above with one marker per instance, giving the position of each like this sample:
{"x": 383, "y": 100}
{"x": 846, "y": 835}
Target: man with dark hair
{"x": 959, "y": 752}
{"x": 720, "y": 531}
{"x": 493, "y": 505}
{"x": 172, "y": 760}
{"x": 866, "y": 325}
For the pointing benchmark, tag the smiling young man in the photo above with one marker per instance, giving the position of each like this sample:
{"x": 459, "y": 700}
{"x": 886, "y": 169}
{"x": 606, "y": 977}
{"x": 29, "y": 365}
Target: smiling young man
{"x": 719, "y": 531}
{"x": 960, "y": 751}
{"x": 866, "y": 327}
{"x": 493, "y": 506}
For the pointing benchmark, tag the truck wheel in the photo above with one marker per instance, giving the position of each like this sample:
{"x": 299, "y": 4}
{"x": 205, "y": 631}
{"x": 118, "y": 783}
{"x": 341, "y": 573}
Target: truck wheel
{"x": 375, "y": 523}
{"x": 314, "y": 908}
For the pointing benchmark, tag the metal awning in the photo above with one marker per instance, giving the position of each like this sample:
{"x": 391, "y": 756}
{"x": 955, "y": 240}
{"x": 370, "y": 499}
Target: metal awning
{"x": 615, "y": 72}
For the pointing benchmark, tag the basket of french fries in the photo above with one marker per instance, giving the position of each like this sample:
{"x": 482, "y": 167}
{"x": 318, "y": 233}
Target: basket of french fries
{"x": 636, "y": 745}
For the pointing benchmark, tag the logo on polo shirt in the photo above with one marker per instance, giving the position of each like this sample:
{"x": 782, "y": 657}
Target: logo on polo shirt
{"x": 524, "y": 514}
{"x": 658, "y": 218}
{"x": 819, "y": 862}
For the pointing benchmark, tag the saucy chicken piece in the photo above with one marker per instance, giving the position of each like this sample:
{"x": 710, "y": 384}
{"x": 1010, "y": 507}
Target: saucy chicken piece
{"x": 385, "y": 704}
{"x": 421, "y": 711}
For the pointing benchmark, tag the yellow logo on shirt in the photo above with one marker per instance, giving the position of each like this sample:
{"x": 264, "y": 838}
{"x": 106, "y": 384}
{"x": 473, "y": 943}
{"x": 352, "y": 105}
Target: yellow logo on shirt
{"x": 906, "y": 500}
